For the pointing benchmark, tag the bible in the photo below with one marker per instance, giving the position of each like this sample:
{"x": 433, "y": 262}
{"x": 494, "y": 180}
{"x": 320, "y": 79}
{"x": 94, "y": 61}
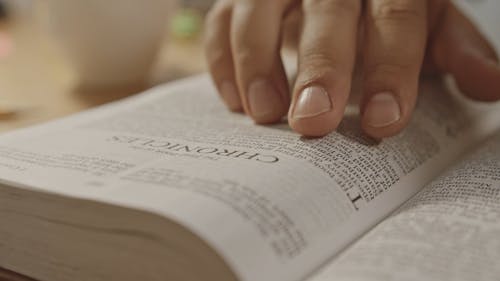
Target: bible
{"x": 169, "y": 185}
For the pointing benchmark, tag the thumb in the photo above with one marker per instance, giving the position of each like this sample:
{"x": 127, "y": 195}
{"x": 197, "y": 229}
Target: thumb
{"x": 460, "y": 49}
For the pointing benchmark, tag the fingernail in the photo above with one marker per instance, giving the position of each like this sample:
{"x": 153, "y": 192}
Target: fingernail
{"x": 382, "y": 110}
{"x": 312, "y": 101}
{"x": 230, "y": 95}
{"x": 263, "y": 99}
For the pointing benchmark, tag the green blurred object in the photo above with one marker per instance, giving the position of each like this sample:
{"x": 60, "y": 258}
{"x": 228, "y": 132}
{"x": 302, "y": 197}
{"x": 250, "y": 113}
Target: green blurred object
{"x": 187, "y": 24}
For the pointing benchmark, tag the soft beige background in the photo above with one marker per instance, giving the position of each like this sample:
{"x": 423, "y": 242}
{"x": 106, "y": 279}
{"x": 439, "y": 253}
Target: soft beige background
{"x": 37, "y": 80}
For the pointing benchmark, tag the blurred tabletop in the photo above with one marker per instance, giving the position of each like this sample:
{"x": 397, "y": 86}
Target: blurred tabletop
{"x": 37, "y": 85}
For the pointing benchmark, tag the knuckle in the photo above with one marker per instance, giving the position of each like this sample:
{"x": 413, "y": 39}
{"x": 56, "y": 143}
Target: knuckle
{"x": 383, "y": 76}
{"x": 396, "y": 11}
{"x": 387, "y": 69}
{"x": 248, "y": 50}
{"x": 332, "y": 6}
{"x": 315, "y": 66}
{"x": 318, "y": 60}
{"x": 245, "y": 55}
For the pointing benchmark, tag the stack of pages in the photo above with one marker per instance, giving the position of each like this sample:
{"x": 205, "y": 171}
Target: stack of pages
{"x": 168, "y": 185}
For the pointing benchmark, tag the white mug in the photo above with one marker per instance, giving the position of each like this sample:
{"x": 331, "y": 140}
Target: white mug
{"x": 110, "y": 42}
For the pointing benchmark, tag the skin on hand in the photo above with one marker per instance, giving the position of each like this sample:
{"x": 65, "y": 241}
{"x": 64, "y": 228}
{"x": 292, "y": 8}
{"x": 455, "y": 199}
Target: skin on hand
{"x": 391, "y": 38}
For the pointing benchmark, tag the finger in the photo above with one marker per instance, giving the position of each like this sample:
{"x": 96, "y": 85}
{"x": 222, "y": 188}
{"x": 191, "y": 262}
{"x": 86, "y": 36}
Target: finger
{"x": 218, "y": 53}
{"x": 396, "y": 35}
{"x": 460, "y": 49}
{"x": 292, "y": 26}
{"x": 327, "y": 53}
{"x": 255, "y": 44}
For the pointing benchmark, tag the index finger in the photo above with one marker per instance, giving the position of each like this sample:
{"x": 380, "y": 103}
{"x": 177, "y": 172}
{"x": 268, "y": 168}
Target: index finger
{"x": 327, "y": 55}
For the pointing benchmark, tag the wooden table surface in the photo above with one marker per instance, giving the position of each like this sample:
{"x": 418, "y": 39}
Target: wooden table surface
{"x": 37, "y": 81}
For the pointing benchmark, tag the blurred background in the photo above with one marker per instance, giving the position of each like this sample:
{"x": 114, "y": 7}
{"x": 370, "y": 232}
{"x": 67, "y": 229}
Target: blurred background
{"x": 61, "y": 56}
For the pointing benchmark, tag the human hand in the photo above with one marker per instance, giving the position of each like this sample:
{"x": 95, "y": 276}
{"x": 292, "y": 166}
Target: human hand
{"x": 391, "y": 39}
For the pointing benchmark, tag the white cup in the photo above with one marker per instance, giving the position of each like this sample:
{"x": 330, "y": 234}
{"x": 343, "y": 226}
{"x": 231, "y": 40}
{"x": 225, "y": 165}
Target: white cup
{"x": 110, "y": 42}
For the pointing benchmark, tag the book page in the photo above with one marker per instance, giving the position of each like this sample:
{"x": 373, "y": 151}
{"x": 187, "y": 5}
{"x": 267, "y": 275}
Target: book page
{"x": 274, "y": 205}
{"x": 449, "y": 231}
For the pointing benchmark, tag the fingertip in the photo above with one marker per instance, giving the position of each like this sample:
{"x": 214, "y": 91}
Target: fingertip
{"x": 230, "y": 96}
{"x": 383, "y": 116}
{"x": 318, "y": 126}
{"x": 380, "y": 133}
{"x": 383, "y": 132}
{"x": 313, "y": 113}
{"x": 265, "y": 102}
{"x": 218, "y": 55}
{"x": 325, "y": 66}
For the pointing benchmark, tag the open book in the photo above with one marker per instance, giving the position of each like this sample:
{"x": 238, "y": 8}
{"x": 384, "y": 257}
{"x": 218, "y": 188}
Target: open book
{"x": 169, "y": 185}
